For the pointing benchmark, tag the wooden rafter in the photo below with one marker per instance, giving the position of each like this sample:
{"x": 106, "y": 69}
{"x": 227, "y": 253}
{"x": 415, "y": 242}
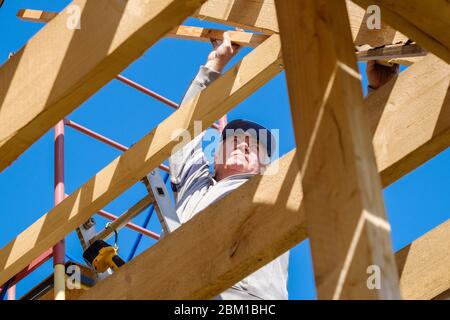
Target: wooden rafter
{"x": 427, "y": 22}
{"x": 348, "y": 232}
{"x": 62, "y": 66}
{"x": 258, "y": 67}
{"x": 220, "y": 249}
{"x": 260, "y": 15}
{"x": 241, "y": 38}
{"x": 424, "y": 265}
{"x": 410, "y": 118}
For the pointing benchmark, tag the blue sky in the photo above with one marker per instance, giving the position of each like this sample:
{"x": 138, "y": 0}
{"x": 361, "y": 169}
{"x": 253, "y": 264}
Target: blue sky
{"x": 415, "y": 204}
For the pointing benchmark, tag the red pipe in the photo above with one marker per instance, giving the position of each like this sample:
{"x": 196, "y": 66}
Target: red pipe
{"x": 103, "y": 139}
{"x": 12, "y": 293}
{"x": 153, "y": 94}
{"x": 59, "y": 250}
{"x": 95, "y": 135}
{"x": 130, "y": 225}
{"x": 222, "y": 123}
{"x": 148, "y": 92}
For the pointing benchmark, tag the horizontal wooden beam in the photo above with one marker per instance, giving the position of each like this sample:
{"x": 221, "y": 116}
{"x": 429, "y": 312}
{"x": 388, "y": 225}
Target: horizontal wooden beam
{"x": 71, "y": 58}
{"x": 424, "y": 265}
{"x": 426, "y": 22}
{"x": 391, "y": 52}
{"x": 32, "y": 15}
{"x": 246, "y": 39}
{"x": 410, "y": 118}
{"x": 260, "y": 15}
{"x": 257, "y": 68}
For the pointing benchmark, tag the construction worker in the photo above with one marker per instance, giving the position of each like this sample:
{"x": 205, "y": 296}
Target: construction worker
{"x": 241, "y": 155}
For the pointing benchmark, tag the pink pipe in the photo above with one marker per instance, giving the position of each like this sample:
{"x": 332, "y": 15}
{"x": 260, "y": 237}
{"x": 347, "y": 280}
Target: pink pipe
{"x": 12, "y": 293}
{"x": 222, "y": 123}
{"x": 153, "y": 94}
{"x": 103, "y": 139}
{"x": 59, "y": 250}
{"x": 148, "y": 92}
{"x": 95, "y": 135}
{"x": 130, "y": 225}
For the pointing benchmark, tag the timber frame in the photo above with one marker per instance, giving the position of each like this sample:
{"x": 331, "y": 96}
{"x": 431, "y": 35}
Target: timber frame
{"x": 351, "y": 147}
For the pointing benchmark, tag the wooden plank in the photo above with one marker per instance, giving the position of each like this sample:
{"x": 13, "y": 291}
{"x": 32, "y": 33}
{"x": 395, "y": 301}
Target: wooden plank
{"x": 343, "y": 201}
{"x": 410, "y": 118}
{"x": 427, "y": 22}
{"x": 424, "y": 265}
{"x": 61, "y": 66}
{"x": 246, "y": 39}
{"x": 32, "y": 15}
{"x": 220, "y": 249}
{"x": 257, "y": 68}
{"x": 260, "y": 15}
{"x": 391, "y": 52}
{"x": 213, "y": 250}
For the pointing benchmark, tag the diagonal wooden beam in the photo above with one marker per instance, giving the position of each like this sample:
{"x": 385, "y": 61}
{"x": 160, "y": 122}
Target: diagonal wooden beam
{"x": 225, "y": 243}
{"x": 260, "y": 15}
{"x": 343, "y": 202}
{"x": 215, "y": 250}
{"x": 426, "y": 22}
{"x": 257, "y": 68}
{"x": 424, "y": 265}
{"x": 62, "y": 66}
{"x": 410, "y": 118}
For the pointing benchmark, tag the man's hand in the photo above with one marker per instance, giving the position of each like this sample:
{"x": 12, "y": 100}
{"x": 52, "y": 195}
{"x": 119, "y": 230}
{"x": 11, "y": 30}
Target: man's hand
{"x": 222, "y": 53}
{"x": 378, "y": 74}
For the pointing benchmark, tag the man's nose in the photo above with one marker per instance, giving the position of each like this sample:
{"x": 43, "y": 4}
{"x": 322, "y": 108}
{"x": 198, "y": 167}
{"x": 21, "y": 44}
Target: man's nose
{"x": 242, "y": 145}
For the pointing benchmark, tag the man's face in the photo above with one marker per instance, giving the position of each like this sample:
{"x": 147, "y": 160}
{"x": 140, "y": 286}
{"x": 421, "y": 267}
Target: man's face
{"x": 237, "y": 154}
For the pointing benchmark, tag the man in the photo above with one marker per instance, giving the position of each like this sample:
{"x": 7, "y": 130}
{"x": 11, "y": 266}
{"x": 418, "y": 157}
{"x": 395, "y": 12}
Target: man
{"x": 241, "y": 155}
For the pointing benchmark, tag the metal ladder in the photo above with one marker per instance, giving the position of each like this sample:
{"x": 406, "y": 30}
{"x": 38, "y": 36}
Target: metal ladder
{"x": 158, "y": 195}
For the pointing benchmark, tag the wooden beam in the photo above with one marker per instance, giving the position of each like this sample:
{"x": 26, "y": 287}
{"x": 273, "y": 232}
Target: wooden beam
{"x": 426, "y": 22}
{"x": 246, "y": 39}
{"x": 260, "y": 15}
{"x": 257, "y": 68}
{"x": 62, "y": 66}
{"x": 424, "y": 265}
{"x": 391, "y": 52}
{"x": 213, "y": 250}
{"x": 343, "y": 201}
{"x": 237, "y": 244}
{"x": 32, "y": 15}
{"x": 410, "y": 118}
